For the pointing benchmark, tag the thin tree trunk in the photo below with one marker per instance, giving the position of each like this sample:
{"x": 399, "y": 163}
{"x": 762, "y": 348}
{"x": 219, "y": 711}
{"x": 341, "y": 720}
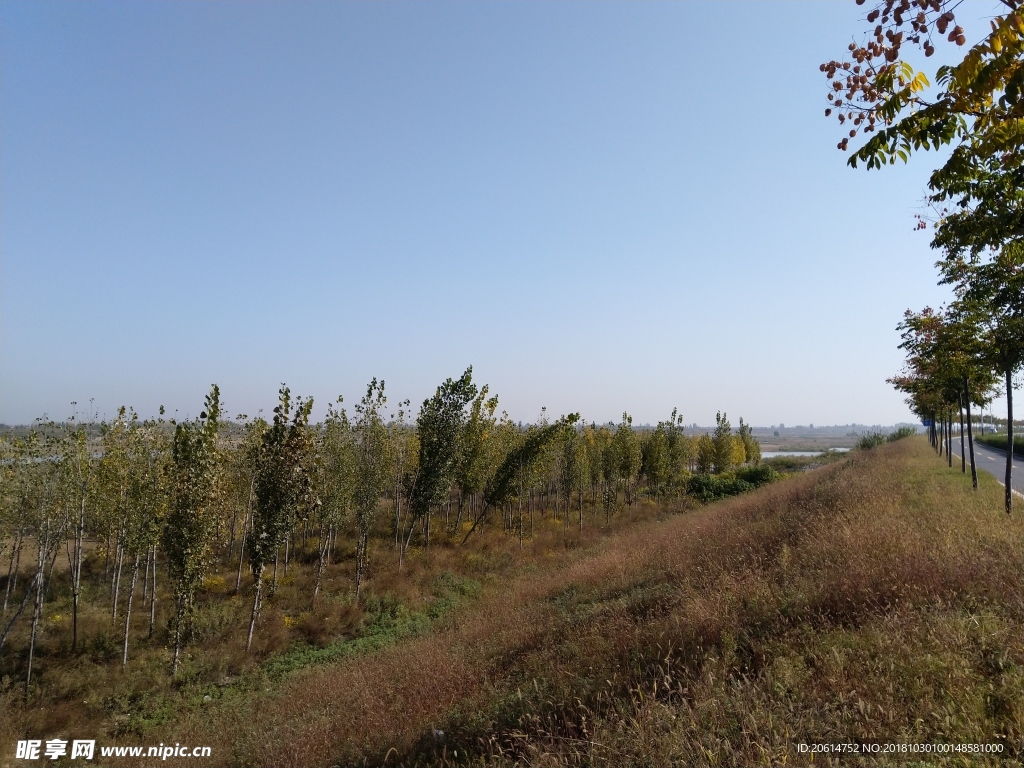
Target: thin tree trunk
{"x": 145, "y": 578}
{"x": 520, "y": 506}
{"x": 256, "y": 600}
{"x": 361, "y": 544}
{"x": 12, "y": 570}
{"x": 231, "y": 540}
{"x": 325, "y": 544}
{"x": 949, "y": 440}
{"x": 128, "y": 609}
{"x": 17, "y": 613}
{"x": 1009, "y": 441}
{"x": 152, "y": 598}
{"x": 398, "y": 519}
{"x": 277, "y": 559}
{"x": 581, "y": 501}
{"x": 76, "y": 572}
{"x": 117, "y": 578}
{"x": 37, "y": 612}
{"x": 49, "y": 571}
{"x": 970, "y": 435}
{"x": 963, "y": 454}
{"x": 241, "y": 556}
{"x": 458, "y": 517}
{"x": 177, "y": 635}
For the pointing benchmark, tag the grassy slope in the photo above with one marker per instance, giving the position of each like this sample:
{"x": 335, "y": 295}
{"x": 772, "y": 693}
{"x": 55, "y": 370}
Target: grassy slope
{"x": 878, "y": 598}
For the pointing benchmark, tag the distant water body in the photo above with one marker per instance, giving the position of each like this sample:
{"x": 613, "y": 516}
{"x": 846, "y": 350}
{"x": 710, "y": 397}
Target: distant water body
{"x": 773, "y": 454}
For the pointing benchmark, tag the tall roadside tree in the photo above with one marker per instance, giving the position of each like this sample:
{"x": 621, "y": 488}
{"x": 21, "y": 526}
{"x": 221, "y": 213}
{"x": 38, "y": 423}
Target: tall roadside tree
{"x": 283, "y": 490}
{"x": 979, "y": 225}
{"x": 977, "y": 109}
{"x": 994, "y": 291}
{"x": 945, "y": 364}
{"x": 192, "y": 514}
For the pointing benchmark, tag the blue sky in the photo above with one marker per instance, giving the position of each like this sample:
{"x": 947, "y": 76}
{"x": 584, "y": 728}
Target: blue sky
{"x": 600, "y": 206}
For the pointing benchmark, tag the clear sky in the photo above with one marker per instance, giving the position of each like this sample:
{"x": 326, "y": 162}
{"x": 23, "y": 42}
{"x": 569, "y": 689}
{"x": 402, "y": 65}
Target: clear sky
{"x": 601, "y": 206}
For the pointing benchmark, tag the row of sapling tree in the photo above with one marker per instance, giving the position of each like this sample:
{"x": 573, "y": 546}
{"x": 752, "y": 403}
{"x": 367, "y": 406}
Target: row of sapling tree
{"x": 961, "y": 355}
{"x": 155, "y": 499}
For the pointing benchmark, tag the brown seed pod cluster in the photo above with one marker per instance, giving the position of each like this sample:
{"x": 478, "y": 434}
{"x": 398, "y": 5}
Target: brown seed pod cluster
{"x": 861, "y": 84}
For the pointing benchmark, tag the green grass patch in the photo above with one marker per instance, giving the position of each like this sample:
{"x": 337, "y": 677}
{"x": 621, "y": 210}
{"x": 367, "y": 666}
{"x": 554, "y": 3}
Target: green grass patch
{"x": 1002, "y": 441}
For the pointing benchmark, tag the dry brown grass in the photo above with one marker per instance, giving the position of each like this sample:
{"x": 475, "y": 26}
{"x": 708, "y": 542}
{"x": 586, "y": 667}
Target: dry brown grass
{"x": 85, "y": 694}
{"x": 879, "y": 598}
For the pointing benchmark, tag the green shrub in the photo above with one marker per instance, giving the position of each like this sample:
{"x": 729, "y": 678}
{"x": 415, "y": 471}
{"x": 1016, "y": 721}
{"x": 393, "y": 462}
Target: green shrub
{"x": 708, "y": 488}
{"x": 759, "y": 474}
{"x": 870, "y": 440}
{"x": 901, "y": 433}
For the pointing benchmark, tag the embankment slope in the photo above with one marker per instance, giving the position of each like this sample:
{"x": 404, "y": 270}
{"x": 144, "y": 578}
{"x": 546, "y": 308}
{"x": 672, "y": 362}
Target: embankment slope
{"x": 878, "y": 598}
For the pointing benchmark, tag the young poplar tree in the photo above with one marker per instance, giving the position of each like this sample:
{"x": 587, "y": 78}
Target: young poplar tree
{"x": 115, "y": 477}
{"x": 573, "y": 472}
{"x": 474, "y": 460}
{"x": 10, "y": 528}
{"x": 148, "y": 503}
{"x": 38, "y": 496}
{"x": 283, "y": 489}
{"x": 596, "y": 440}
{"x": 191, "y": 516}
{"x": 333, "y": 476}
{"x": 78, "y": 470}
{"x": 627, "y": 451}
{"x": 680, "y": 448}
{"x": 508, "y": 481}
{"x": 372, "y": 464}
{"x": 705, "y": 454}
{"x": 611, "y": 464}
{"x": 440, "y": 426}
{"x": 241, "y": 485}
{"x": 656, "y": 462}
{"x": 722, "y": 439}
{"x": 404, "y": 455}
{"x": 751, "y": 448}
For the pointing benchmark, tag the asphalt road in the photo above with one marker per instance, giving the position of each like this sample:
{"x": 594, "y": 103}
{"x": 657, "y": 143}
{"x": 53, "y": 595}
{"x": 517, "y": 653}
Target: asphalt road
{"x": 993, "y": 461}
